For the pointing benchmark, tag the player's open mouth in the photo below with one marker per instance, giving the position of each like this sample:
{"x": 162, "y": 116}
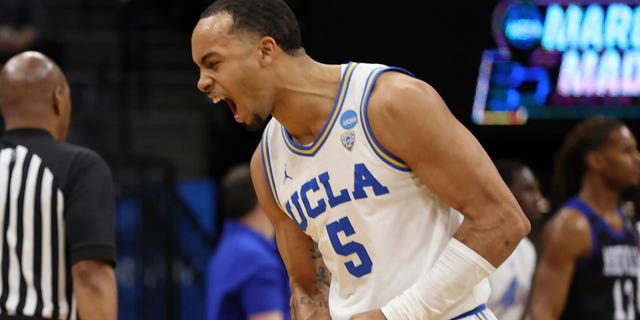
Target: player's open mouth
{"x": 216, "y": 98}
{"x": 232, "y": 105}
{"x": 234, "y": 109}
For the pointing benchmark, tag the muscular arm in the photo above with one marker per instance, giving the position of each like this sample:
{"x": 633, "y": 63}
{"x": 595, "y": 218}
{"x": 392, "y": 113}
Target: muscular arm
{"x": 410, "y": 120}
{"x": 308, "y": 276}
{"x": 566, "y": 239}
{"x": 94, "y": 287}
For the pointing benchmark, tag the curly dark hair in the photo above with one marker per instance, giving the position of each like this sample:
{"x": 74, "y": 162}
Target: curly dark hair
{"x": 570, "y": 161}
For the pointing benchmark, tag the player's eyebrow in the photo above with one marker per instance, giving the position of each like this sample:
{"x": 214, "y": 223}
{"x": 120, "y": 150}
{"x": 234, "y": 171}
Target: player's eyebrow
{"x": 207, "y": 55}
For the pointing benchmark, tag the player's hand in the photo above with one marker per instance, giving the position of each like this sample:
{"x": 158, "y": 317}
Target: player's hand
{"x": 369, "y": 315}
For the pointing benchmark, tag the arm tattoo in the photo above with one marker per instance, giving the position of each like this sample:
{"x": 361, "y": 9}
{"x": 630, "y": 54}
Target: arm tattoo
{"x": 315, "y": 251}
{"x": 309, "y": 301}
{"x": 323, "y": 276}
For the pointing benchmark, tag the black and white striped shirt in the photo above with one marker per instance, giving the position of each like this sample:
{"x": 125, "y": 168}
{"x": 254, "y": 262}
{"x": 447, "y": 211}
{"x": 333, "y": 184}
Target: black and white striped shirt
{"x": 56, "y": 208}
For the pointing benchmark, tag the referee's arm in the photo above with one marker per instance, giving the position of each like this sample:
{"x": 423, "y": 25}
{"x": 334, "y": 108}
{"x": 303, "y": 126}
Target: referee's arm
{"x": 91, "y": 232}
{"x": 94, "y": 285}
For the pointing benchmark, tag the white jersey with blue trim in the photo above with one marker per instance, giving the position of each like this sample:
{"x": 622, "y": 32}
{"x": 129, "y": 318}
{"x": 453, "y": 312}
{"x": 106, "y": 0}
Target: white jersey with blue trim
{"x": 377, "y": 226}
{"x": 511, "y": 282}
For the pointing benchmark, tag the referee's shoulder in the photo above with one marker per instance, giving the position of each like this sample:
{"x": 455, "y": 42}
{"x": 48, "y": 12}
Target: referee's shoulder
{"x": 83, "y": 156}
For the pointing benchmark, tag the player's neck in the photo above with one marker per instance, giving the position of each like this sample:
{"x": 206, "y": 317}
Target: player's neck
{"x": 306, "y": 97}
{"x": 599, "y": 195}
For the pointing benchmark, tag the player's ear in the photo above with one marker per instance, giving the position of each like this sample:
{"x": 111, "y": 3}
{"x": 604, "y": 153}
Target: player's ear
{"x": 594, "y": 160}
{"x": 267, "y": 48}
{"x": 58, "y": 99}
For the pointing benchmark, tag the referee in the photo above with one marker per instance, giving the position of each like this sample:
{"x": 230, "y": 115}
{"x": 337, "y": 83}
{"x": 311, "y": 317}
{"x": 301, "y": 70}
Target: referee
{"x": 57, "y": 230}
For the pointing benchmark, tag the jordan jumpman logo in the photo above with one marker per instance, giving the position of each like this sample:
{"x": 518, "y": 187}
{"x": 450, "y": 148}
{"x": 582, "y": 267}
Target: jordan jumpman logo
{"x": 286, "y": 176}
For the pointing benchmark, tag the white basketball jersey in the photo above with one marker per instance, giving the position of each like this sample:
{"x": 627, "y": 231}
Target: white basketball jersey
{"x": 511, "y": 282}
{"x": 378, "y": 227}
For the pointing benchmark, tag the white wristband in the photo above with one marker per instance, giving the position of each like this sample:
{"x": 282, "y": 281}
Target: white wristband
{"x": 406, "y": 306}
{"x": 454, "y": 274}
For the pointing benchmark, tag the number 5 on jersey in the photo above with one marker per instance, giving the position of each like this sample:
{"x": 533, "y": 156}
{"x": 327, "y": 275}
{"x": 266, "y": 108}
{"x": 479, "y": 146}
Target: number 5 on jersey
{"x": 348, "y": 248}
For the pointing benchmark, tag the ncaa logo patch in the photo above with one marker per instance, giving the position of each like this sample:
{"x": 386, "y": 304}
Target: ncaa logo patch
{"x": 347, "y": 139}
{"x": 348, "y": 119}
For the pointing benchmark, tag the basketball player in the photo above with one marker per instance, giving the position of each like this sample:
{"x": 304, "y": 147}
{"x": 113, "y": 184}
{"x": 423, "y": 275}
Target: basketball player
{"x": 363, "y": 171}
{"x": 589, "y": 263}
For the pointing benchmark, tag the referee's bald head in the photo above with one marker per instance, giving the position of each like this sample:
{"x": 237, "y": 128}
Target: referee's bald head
{"x": 34, "y": 93}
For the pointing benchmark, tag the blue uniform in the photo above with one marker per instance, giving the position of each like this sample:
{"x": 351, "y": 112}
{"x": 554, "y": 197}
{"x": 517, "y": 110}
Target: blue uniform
{"x": 246, "y": 276}
{"x": 605, "y": 283}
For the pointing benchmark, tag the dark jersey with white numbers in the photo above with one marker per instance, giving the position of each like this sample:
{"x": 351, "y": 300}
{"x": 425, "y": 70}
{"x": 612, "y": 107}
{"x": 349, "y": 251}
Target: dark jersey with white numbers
{"x": 605, "y": 283}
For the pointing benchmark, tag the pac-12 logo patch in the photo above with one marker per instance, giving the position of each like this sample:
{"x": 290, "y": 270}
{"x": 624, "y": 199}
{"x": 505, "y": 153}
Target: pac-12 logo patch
{"x": 348, "y": 119}
{"x": 347, "y": 139}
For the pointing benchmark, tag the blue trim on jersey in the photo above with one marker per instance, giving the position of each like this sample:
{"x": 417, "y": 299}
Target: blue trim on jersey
{"x": 581, "y": 206}
{"x": 310, "y": 150}
{"x": 588, "y": 212}
{"x": 266, "y": 164}
{"x": 386, "y": 156}
{"x": 478, "y": 312}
